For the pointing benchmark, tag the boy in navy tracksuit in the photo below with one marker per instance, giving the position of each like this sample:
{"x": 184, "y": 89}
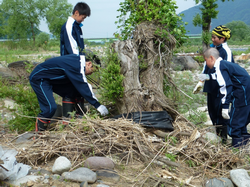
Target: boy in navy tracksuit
{"x": 220, "y": 35}
{"x": 234, "y": 87}
{"x": 65, "y": 76}
{"x": 71, "y": 42}
{"x": 71, "y": 36}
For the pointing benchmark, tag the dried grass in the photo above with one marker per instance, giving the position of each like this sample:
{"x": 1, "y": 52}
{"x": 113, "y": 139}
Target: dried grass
{"x": 126, "y": 142}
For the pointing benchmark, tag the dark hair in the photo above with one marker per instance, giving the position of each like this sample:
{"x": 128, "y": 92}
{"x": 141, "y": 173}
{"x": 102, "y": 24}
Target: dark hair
{"x": 82, "y": 8}
{"x": 90, "y": 56}
{"x": 221, "y": 37}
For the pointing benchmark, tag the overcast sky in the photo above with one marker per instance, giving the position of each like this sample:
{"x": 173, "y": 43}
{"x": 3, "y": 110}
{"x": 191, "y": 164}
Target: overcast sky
{"x": 101, "y": 23}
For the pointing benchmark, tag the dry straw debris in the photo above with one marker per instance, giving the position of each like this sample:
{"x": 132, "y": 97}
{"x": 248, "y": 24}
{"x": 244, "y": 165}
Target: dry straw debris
{"x": 127, "y": 143}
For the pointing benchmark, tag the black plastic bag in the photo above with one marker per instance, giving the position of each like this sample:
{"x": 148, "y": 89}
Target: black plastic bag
{"x": 152, "y": 119}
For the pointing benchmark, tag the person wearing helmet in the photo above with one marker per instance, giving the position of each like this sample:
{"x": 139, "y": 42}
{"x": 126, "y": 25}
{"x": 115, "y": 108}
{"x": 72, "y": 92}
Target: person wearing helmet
{"x": 220, "y": 35}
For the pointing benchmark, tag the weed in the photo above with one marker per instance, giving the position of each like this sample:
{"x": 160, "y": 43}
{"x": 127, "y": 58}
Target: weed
{"x": 182, "y": 183}
{"x": 85, "y": 128}
{"x": 121, "y": 167}
{"x": 172, "y": 157}
{"x": 190, "y": 163}
{"x": 29, "y": 67}
{"x": 197, "y": 117}
{"x": 173, "y": 140}
{"x": 235, "y": 150}
{"x": 61, "y": 127}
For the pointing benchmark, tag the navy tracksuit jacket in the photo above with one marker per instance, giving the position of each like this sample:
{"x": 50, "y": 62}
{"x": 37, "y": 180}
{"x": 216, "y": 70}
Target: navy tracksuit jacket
{"x": 71, "y": 38}
{"x": 212, "y": 88}
{"x": 63, "y": 75}
{"x": 234, "y": 82}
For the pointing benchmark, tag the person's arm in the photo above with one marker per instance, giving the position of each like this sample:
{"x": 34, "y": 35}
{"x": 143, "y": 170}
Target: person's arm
{"x": 200, "y": 84}
{"x": 79, "y": 80}
{"x": 225, "y": 83}
{"x": 75, "y": 72}
{"x": 226, "y": 88}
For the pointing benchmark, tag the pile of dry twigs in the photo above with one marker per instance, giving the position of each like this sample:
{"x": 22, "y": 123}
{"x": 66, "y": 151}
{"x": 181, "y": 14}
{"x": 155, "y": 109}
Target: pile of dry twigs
{"x": 193, "y": 157}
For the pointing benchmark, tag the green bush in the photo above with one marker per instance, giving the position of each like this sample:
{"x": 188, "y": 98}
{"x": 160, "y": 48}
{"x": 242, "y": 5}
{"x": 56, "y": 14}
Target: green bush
{"x": 28, "y": 106}
{"x": 199, "y": 59}
{"x": 27, "y": 111}
{"x": 239, "y": 30}
{"x": 42, "y": 39}
{"x": 111, "y": 79}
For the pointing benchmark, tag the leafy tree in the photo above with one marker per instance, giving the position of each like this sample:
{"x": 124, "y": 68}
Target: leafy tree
{"x": 57, "y": 15}
{"x": 160, "y": 12}
{"x": 1, "y": 23}
{"x": 240, "y": 30}
{"x": 208, "y": 11}
{"x": 23, "y": 17}
{"x": 149, "y": 31}
{"x": 42, "y": 39}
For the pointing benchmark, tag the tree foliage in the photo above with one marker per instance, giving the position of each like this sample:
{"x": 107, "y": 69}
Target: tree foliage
{"x": 42, "y": 39}
{"x": 208, "y": 12}
{"x": 240, "y": 30}
{"x": 21, "y": 18}
{"x": 159, "y": 12}
{"x": 57, "y": 15}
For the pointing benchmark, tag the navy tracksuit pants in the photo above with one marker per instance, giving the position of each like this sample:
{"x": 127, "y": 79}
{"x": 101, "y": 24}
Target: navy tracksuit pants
{"x": 214, "y": 110}
{"x": 44, "y": 90}
{"x": 238, "y": 121}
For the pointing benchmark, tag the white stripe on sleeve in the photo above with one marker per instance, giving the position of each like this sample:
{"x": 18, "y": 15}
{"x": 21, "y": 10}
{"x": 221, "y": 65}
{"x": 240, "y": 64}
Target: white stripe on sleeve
{"x": 221, "y": 80}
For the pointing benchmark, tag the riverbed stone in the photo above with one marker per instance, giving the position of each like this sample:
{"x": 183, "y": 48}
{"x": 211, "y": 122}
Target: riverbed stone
{"x": 181, "y": 63}
{"x": 102, "y": 185}
{"x": 240, "y": 177}
{"x": 80, "y": 175}
{"x": 108, "y": 175}
{"x": 212, "y": 137}
{"x": 97, "y": 163}
{"x": 219, "y": 182}
{"x": 61, "y": 165}
{"x": 7, "y": 73}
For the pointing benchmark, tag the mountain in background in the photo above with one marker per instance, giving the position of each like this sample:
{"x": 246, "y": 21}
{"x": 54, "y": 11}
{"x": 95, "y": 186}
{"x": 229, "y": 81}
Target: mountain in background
{"x": 237, "y": 10}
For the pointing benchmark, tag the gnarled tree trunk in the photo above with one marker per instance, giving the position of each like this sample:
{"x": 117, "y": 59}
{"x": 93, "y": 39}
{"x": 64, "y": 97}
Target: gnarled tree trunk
{"x": 144, "y": 76}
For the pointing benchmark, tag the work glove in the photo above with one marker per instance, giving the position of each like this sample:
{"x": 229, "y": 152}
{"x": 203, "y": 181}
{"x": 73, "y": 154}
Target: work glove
{"x": 103, "y": 110}
{"x": 225, "y": 114}
{"x": 198, "y": 87}
{"x": 203, "y": 77}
